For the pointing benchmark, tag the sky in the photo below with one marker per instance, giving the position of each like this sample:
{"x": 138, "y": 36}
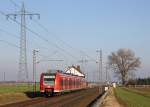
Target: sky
{"x": 76, "y": 26}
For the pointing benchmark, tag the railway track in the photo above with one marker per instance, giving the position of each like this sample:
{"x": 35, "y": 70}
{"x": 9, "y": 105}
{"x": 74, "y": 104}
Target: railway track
{"x": 76, "y": 99}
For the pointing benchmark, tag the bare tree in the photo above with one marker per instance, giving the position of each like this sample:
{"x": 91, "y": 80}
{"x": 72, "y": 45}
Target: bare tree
{"x": 122, "y": 62}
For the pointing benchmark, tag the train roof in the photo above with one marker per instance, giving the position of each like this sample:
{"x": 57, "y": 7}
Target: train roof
{"x": 72, "y": 70}
{"x": 51, "y": 72}
{"x": 59, "y": 71}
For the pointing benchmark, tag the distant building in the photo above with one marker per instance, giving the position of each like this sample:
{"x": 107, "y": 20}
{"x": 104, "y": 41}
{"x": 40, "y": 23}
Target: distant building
{"x": 75, "y": 71}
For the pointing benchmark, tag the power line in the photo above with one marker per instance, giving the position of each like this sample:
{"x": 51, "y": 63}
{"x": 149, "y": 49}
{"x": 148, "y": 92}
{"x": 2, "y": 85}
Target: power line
{"x": 46, "y": 40}
{"x": 65, "y": 43}
{"x": 44, "y": 28}
{"x": 15, "y": 36}
{"x": 16, "y": 46}
{"x": 10, "y": 34}
{"x": 46, "y": 31}
{"x": 16, "y": 5}
{"x": 42, "y": 38}
{"x": 8, "y": 43}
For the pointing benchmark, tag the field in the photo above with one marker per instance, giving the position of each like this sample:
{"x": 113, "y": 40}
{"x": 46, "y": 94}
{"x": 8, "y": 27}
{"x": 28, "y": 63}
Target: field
{"x": 131, "y": 97}
{"x": 17, "y": 88}
{"x": 10, "y": 93}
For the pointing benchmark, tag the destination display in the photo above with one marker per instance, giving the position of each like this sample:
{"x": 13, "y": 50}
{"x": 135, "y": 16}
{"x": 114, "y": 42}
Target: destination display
{"x": 50, "y": 76}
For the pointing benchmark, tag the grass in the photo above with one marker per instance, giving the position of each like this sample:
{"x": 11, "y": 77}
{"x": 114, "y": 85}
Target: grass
{"x": 19, "y": 88}
{"x": 10, "y": 93}
{"x": 131, "y": 98}
{"x": 142, "y": 91}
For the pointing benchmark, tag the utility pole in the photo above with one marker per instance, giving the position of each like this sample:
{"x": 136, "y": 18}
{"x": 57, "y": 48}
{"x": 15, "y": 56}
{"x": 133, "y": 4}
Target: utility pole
{"x": 35, "y": 62}
{"x": 100, "y": 68}
{"x": 34, "y": 70}
{"x": 4, "y": 76}
{"x": 23, "y": 69}
{"x": 83, "y": 62}
{"x": 106, "y": 73}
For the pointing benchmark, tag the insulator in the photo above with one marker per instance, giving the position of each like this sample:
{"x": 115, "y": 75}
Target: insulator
{"x": 38, "y": 16}
{"x": 7, "y": 16}
{"x": 15, "y": 16}
{"x": 31, "y": 17}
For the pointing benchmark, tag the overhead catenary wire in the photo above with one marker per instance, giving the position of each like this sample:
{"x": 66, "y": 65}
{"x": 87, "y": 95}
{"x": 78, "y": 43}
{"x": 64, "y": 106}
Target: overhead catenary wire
{"x": 91, "y": 59}
{"x": 65, "y": 43}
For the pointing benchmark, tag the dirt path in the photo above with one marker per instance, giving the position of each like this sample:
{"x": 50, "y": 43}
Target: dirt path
{"x": 110, "y": 100}
{"x": 7, "y": 98}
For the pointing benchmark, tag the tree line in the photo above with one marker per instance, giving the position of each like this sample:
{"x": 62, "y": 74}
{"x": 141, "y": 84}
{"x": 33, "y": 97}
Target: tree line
{"x": 139, "y": 81}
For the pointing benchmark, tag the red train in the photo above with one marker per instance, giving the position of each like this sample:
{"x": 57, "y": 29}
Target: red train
{"x": 58, "y": 82}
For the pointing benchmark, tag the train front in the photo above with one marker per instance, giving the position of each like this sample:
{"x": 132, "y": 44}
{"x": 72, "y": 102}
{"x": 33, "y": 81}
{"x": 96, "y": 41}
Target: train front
{"x": 47, "y": 83}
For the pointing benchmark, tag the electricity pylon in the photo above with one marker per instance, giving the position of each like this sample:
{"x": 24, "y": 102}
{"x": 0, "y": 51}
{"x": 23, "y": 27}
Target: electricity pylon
{"x": 23, "y": 69}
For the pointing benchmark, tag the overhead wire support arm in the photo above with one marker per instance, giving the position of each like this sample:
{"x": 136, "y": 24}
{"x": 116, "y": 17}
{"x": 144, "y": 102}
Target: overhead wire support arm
{"x": 53, "y": 60}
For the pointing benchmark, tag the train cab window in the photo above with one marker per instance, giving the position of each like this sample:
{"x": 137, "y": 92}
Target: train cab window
{"x": 49, "y": 80}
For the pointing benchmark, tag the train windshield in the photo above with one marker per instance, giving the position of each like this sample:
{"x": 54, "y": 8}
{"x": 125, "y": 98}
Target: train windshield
{"x": 49, "y": 79}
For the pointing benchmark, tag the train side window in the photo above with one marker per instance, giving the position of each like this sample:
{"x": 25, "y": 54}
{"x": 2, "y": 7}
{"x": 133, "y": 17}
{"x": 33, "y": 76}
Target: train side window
{"x": 66, "y": 82}
{"x": 63, "y": 83}
{"x": 75, "y": 83}
{"x": 70, "y": 81}
{"x": 80, "y": 82}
